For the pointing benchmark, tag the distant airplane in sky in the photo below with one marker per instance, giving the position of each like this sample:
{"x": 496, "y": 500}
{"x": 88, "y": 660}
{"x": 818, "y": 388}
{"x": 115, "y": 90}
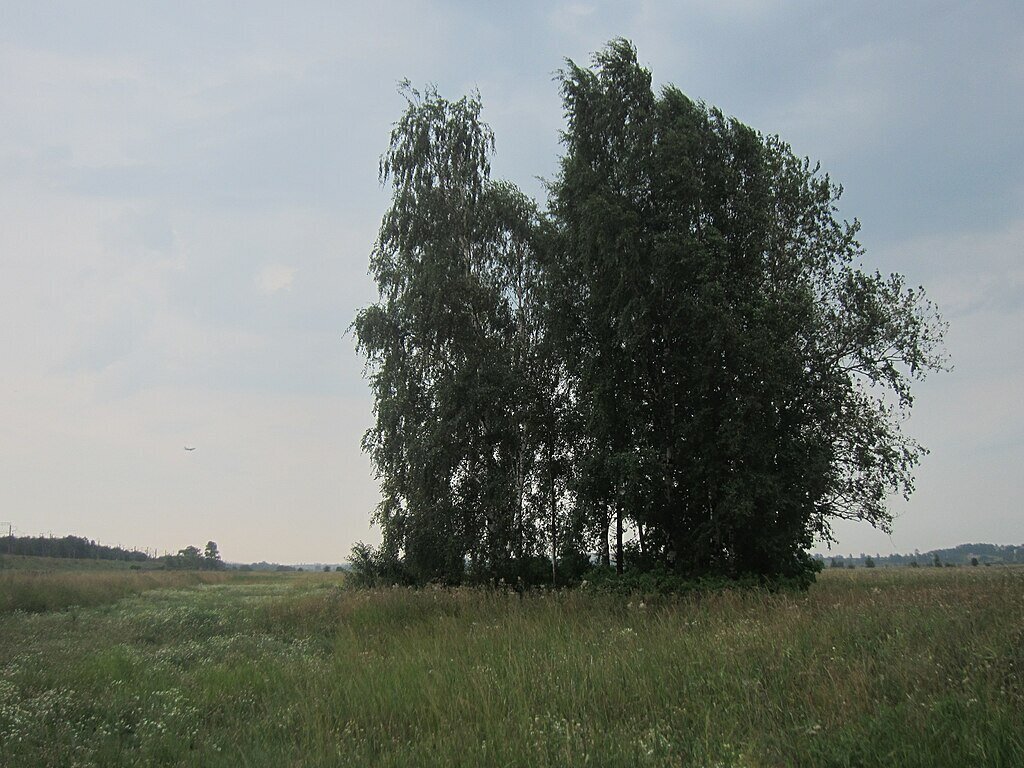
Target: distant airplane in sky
{"x": 189, "y": 448}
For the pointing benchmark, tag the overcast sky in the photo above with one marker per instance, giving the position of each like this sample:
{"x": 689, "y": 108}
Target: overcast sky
{"x": 189, "y": 195}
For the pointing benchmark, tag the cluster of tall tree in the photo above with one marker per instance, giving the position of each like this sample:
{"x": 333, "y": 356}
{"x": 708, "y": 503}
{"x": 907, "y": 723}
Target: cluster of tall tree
{"x": 193, "y": 558}
{"x": 680, "y": 362}
{"x": 66, "y": 547}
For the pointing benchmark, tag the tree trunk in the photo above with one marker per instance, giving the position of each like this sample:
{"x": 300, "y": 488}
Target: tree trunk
{"x": 554, "y": 549}
{"x": 520, "y": 492}
{"x": 605, "y": 554}
{"x": 618, "y": 539}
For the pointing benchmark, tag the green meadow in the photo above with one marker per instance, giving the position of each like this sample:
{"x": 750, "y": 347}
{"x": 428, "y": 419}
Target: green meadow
{"x": 893, "y": 667}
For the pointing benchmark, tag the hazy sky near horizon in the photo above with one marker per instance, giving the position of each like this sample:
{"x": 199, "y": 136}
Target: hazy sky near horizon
{"x": 189, "y": 196}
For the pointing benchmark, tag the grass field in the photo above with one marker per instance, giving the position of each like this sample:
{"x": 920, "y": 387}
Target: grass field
{"x": 32, "y": 563}
{"x": 870, "y": 667}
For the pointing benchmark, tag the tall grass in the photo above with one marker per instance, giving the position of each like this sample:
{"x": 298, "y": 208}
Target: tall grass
{"x": 882, "y": 667}
{"x": 38, "y": 591}
{"x": 37, "y": 563}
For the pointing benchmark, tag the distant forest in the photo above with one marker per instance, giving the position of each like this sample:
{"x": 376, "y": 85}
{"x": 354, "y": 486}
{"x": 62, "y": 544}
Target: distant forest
{"x": 67, "y": 546}
{"x": 81, "y": 548}
{"x": 962, "y": 554}
{"x": 86, "y": 549}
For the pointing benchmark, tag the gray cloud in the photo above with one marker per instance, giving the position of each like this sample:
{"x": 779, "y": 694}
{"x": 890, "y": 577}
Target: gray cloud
{"x": 188, "y": 198}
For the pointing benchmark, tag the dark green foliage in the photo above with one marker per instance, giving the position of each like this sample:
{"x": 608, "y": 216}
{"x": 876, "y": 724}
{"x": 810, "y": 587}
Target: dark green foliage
{"x": 683, "y": 357}
{"x": 463, "y": 442}
{"x": 211, "y": 556}
{"x": 661, "y": 580}
{"x": 375, "y": 567}
{"x": 191, "y": 558}
{"x": 740, "y": 380}
{"x": 66, "y": 547}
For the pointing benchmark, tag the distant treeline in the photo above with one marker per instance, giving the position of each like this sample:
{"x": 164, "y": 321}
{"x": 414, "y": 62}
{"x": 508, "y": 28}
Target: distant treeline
{"x": 77, "y": 547}
{"x": 193, "y": 558}
{"x": 263, "y": 565}
{"x": 67, "y": 546}
{"x": 962, "y": 554}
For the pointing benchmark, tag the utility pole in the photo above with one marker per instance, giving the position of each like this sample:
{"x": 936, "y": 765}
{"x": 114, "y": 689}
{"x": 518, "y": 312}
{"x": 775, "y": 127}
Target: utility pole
{"x": 10, "y": 536}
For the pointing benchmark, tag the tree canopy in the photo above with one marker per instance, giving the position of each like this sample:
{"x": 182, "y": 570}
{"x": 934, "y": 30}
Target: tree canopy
{"x": 452, "y": 347}
{"x": 682, "y": 359}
